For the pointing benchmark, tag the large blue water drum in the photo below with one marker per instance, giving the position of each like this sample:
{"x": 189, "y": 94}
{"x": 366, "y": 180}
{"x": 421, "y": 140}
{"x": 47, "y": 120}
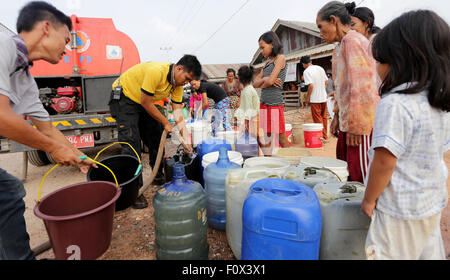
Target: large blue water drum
{"x": 281, "y": 221}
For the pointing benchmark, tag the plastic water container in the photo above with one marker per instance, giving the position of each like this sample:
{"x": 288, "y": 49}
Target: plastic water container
{"x": 339, "y": 167}
{"x": 276, "y": 164}
{"x": 211, "y": 145}
{"x": 293, "y": 155}
{"x": 238, "y": 183}
{"x": 191, "y": 164}
{"x": 281, "y": 221}
{"x": 345, "y": 226}
{"x": 313, "y": 135}
{"x": 180, "y": 219}
{"x": 214, "y": 177}
{"x": 200, "y": 131}
{"x": 213, "y": 157}
{"x": 230, "y": 136}
{"x": 310, "y": 176}
{"x": 247, "y": 146}
{"x": 208, "y": 146}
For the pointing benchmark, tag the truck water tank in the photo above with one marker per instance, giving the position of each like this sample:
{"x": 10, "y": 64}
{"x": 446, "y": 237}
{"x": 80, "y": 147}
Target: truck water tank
{"x": 281, "y": 221}
{"x": 96, "y": 48}
{"x": 344, "y": 225}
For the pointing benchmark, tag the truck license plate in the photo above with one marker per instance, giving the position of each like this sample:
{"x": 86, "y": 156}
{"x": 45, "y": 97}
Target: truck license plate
{"x": 82, "y": 141}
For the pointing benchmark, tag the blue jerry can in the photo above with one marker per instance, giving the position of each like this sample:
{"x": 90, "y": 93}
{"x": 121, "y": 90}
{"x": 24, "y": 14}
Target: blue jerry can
{"x": 281, "y": 221}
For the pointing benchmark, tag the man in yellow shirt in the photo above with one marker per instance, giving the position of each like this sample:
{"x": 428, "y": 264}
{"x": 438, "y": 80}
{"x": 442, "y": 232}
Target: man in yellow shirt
{"x": 132, "y": 105}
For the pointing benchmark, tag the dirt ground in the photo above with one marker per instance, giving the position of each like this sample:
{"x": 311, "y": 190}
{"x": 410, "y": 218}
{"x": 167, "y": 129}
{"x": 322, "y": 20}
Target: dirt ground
{"x": 133, "y": 231}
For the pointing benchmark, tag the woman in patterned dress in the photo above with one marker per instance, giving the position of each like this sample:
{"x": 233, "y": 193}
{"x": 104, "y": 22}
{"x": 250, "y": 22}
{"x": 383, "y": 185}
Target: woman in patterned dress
{"x": 355, "y": 80}
{"x": 233, "y": 88}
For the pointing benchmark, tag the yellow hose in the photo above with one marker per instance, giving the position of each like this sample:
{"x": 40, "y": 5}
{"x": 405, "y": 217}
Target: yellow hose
{"x": 53, "y": 168}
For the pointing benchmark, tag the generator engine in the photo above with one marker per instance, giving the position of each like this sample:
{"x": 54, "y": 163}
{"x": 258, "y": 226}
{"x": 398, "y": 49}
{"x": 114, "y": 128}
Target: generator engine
{"x": 64, "y": 100}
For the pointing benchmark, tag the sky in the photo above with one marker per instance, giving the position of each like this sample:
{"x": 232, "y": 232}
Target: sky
{"x": 216, "y": 31}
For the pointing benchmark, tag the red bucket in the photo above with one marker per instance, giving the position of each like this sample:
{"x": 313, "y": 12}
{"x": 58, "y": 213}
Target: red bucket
{"x": 79, "y": 219}
{"x": 313, "y": 135}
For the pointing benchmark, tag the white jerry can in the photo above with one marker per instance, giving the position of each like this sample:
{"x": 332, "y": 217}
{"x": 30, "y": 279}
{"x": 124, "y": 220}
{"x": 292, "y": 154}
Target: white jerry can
{"x": 344, "y": 225}
{"x": 237, "y": 185}
{"x": 311, "y": 176}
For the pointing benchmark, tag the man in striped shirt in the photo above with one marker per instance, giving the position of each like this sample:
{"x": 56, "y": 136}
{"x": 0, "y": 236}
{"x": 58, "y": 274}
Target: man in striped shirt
{"x": 43, "y": 35}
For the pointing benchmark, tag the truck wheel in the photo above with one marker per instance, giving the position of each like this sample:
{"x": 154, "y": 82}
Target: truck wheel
{"x": 37, "y": 158}
{"x": 50, "y": 159}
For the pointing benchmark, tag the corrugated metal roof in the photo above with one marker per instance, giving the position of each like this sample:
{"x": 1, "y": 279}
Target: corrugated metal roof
{"x": 312, "y": 52}
{"x": 308, "y": 27}
{"x": 5, "y": 29}
{"x": 218, "y": 71}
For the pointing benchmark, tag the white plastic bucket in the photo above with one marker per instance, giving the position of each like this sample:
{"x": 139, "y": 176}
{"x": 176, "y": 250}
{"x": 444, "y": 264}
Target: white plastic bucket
{"x": 278, "y": 165}
{"x": 313, "y": 135}
{"x": 337, "y": 166}
{"x": 235, "y": 157}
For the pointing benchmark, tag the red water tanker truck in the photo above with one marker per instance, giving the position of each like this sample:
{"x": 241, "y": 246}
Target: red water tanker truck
{"x": 76, "y": 91}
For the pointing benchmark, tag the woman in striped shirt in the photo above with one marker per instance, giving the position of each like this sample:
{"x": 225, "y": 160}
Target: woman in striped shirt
{"x": 271, "y": 80}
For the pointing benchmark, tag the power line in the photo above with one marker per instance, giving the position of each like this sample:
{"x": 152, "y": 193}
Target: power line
{"x": 187, "y": 22}
{"x": 228, "y": 20}
{"x": 169, "y": 38}
{"x": 184, "y": 19}
{"x": 187, "y": 26}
